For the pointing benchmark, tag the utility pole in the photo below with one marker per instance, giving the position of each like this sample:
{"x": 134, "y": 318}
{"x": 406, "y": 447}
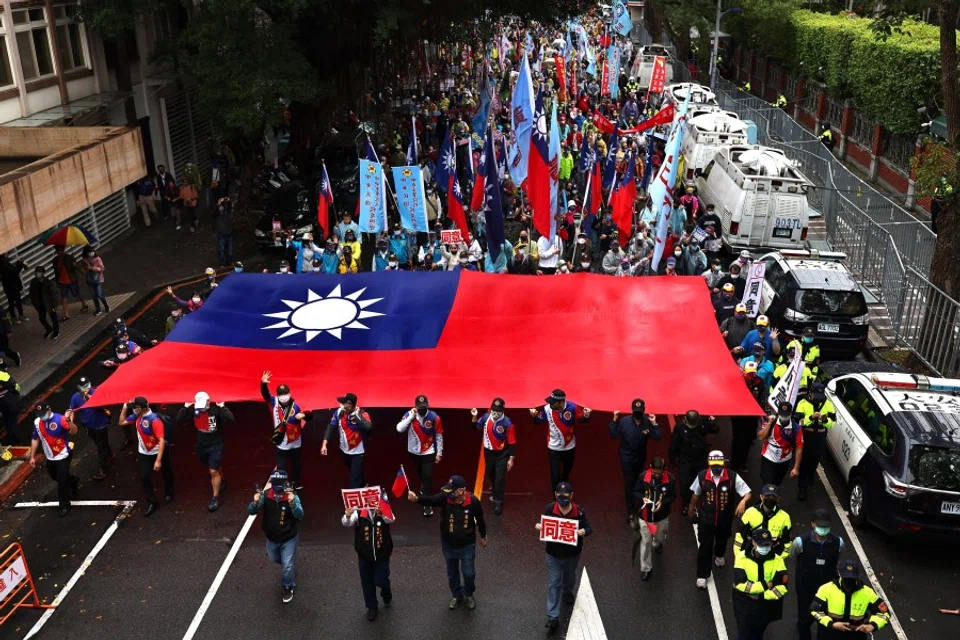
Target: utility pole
{"x": 716, "y": 47}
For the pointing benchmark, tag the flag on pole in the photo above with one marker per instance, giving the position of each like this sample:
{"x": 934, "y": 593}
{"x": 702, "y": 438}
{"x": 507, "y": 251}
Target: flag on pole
{"x": 447, "y": 164}
{"x": 661, "y": 191}
{"x": 400, "y": 484}
{"x": 664, "y": 116}
{"x": 411, "y": 198}
{"x": 324, "y": 201}
{"x": 477, "y": 195}
{"x": 587, "y": 155}
{"x": 561, "y": 68}
{"x": 412, "y": 149}
{"x": 492, "y": 207}
{"x": 554, "y": 163}
{"x": 612, "y": 64}
{"x": 538, "y": 176}
{"x": 455, "y": 210}
{"x": 521, "y": 124}
{"x": 385, "y": 509}
{"x": 610, "y": 164}
{"x": 373, "y": 197}
{"x": 479, "y": 123}
{"x": 621, "y": 18}
{"x": 622, "y": 199}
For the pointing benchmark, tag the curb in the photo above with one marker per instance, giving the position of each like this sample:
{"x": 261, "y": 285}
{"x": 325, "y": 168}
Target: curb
{"x": 18, "y": 477}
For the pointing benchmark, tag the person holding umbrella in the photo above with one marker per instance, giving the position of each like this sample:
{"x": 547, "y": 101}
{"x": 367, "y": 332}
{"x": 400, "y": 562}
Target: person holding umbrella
{"x": 66, "y": 271}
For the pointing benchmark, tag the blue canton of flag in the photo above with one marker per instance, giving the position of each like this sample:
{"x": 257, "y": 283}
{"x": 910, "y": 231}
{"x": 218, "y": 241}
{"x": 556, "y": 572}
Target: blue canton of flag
{"x": 492, "y": 207}
{"x": 610, "y": 164}
{"x": 411, "y": 198}
{"x": 447, "y": 164}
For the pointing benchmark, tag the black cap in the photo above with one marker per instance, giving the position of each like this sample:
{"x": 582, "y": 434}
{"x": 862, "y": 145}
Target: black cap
{"x": 758, "y": 346}
{"x": 282, "y": 389}
{"x": 564, "y": 488}
{"x": 454, "y": 483}
{"x": 808, "y": 331}
{"x": 638, "y": 405}
{"x": 498, "y": 405}
{"x": 422, "y": 401}
{"x": 348, "y": 397}
{"x": 84, "y": 384}
{"x": 849, "y": 569}
{"x": 761, "y": 535}
{"x": 692, "y": 416}
{"x": 785, "y": 407}
{"x": 818, "y": 388}
{"x": 392, "y": 256}
{"x": 41, "y": 408}
{"x": 770, "y": 490}
{"x": 396, "y": 226}
{"x": 140, "y": 402}
{"x": 821, "y": 517}
{"x": 557, "y": 395}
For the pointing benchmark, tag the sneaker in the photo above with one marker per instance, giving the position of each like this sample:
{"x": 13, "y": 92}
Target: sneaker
{"x": 97, "y": 313}
{"x": 178, "y": 229}
{"x": 658, "y": 548}
{"x": 552, "y": 624}
{"x": 454, "y": 603}
{"x": 214, "y": 504}
{"x": 167, "y": 499}
{"x": 56, "y": 335}
{"x": 148, "y": 511}
{"x": 427, "y": 512}
{"x": 569, "y": 598}
{"x": 720, "y": 561}
{"x": 287, "y": 594}
{"x": 371, "y": 613}
{"x": 48, "y": 333}
{"x": 491, "y": 499}
{"x": 498, "y": 509}
{"x": 645, "y": 575}
{"x": 471, "y": 603}
{"x": 64, "y": 512}
{"x": 701, "y": 583}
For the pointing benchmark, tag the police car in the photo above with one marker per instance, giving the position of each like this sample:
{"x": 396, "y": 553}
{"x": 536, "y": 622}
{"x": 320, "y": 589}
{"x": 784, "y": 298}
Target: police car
{"x": 896, "y": 442}
{"x": 810, "y": 288}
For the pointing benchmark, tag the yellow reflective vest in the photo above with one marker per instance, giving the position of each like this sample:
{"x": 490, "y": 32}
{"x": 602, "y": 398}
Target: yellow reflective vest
{"x": 777, "y": 523}
{"x": 832, "y": 604}
{"x": 828, "y": 414}
{"x": 760, "y": 578}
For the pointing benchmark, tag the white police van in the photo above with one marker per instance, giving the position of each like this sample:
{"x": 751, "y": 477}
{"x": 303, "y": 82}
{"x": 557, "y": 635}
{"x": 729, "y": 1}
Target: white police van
{"x": 706, "y": 133}
{"x": 642, "y": 68}
{"x": 760, "y": 196}
{"x": 699, "y": 94}
{"x": 896, "y": 442}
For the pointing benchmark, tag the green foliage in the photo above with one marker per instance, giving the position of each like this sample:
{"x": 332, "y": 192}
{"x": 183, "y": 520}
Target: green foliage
{"x": 764, "y": 25}
{"x": 934, "y": 165}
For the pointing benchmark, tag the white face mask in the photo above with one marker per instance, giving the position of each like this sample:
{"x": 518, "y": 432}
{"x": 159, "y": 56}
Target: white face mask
{"x": 123, "y": 356}
{"x": 463, "y": 260}
{"x": 496, "y": 415}
{"x": 284, "y": 399}
{"x": 734, "y": 276}
{"x": 284, "y": 270}
{"x": 393, "y": 265}
{"x": 677, "y": 253}
{"x": 196, "y": 299}
{"x": 316, "y": 269}
{"x": 563, "y": 270}
{"x": 48, "y": 417}
{"x": 585, "y": 265}
{"x": 581, "y": 241}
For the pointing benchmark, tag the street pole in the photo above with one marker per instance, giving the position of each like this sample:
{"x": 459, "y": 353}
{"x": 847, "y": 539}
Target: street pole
{"x": 716, "y": 47}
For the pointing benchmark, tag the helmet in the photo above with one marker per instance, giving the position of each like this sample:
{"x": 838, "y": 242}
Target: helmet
{"x": 209, "y": 271}
{"x": 750, "y": 367}
{"x": 763, "y": 321}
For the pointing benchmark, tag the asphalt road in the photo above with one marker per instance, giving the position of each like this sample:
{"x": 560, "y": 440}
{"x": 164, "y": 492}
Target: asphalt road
{"x": 152, "y": 575}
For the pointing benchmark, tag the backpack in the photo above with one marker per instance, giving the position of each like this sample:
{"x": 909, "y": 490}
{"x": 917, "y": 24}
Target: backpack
{"x": 167, "y": 427}
{"x": 146, "y": 187}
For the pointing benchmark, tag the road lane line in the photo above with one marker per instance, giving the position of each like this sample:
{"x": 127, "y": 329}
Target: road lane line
{"x": 481, "y": 470}
{"x": 77, "y": 503}
{"x": 127, "y": 508}
{"x": 585, "y": 621}
{"x": 865, "y": 563}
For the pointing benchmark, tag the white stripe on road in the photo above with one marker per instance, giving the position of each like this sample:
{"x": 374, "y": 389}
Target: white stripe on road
{"x": 78, "y": 503}
{"x": 585, "y": 621}
{"x": 128, "y": 507}
{"x": 714, "y": 597}
{"x": 867, "y": 567}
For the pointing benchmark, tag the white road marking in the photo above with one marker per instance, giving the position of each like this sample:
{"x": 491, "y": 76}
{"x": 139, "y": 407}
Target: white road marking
{"x": 864, "y": 562}
{"x": 718, "y": 620}
{"x": 127, "y": 508}
{"x": 585, "y": 621}
{"x": 78, "y": 503}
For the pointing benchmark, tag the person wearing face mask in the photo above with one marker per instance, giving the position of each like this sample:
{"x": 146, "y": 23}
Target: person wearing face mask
{"x": 175, "y": 315}
{"x": 817, "y": 553}
{"x": 765, "y": 370}
{"x": 694, "y": 260}
{"x": 561, "y": 416}
{"x": 562, "y": 559}
{"x": 759, "y": 586}
{"x": 350, "y": 242}
{"x": 529, "y": 248}
{"x": 463, "y": 262}
{"x": 743, "y": 260}
{"x": 523, "y": 264}
{"x": 781, "y": 370}
{"x": 550, "y": 253}
{"x": 714, "y": 275}
{"x": 329, "y": 260}
{"x": 306, "y": 250}
{"x": 818, "y": 416}
{"x": 678, "y": 262}
{"x": 714, "y": 505}
{"x": 847, "y": 609}
{"x": 634, "y": 432}
{"x": 688, "y": 450}
{"x": 769, "y": 337}
{"x": 282, "y": 513}
{"x": 670, "y": 267}
{"x": 209, "y": 283}
{"x": 612, "y": 260}
{"x": 461, "y": 519}
{"x": 152, "y": 449}
{"x": 194, "y": 303}
{"x": 125, "y": 351}
{"x": 381, "y": 257}
{"x": 654, "y": 494}
{"x": 605, "y": 229}
{"x": 562, "y": 267}
{"x": 424, "y": 431}
{"x": 284, "y": 267}
{"x": 95, "y": 420}
{"x": 431, "y": 255}
{"x": 51, "y": 431}
{"x": 499, "y": 438}
{"x": 584, "y": 265}
{"x": 349, "y": 262}
{"x": 767, "y": 515}
{"x": 782, "y": 448}
{"x": 734, "y": 277}
{"x": 724, "y": 304}
{"x": 582, "y": 248}
{"x": 288, "y": 421}
{"x": 352, "y": 425}
{"x": 744, "y": 428}
{"x": 347, "y": 224}
{"x": 238, "y": 267}
{"x": 208, "y": 419}
{"x": 735, "y": 329}
{"x": 809, "y": 351}
{"x": 317, "y": 267}
{"x": 399, "y": 245}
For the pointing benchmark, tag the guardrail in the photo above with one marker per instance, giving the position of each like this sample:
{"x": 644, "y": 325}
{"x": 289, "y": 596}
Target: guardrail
{"x": 888, "y": 250}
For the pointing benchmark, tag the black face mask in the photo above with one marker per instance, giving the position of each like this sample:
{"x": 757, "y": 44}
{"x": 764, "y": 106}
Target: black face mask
{"x": 849, "y": 584}
{"x": 638, "y": 415}
{"x": 770, "y": 503}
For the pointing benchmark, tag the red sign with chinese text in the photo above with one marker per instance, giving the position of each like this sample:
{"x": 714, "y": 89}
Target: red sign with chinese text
{"x": 658, "y": 77}
{"x": 562, "y": 530}
{"x": 365, "y": 498}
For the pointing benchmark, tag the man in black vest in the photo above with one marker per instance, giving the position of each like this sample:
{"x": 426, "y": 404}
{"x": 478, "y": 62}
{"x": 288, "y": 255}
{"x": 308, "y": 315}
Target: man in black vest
{"x": 818, "y": 553}
{"x": 282, "y": 513}
{"x": 714, "y": 492}
{"x": 633, "y": 431}
{"x": 655, "y": 492}
{"x": 688, "y": 450}
{"x": 374, "y": 545}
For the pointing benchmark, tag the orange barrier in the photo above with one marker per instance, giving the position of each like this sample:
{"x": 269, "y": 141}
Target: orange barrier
{"x": 16, "y": 583}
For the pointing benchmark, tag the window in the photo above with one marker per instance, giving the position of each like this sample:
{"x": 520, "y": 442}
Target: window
{"x": 69, "y": 37}
{"x": 33, "y": 42}
{"x": 831, "y": 303}
{"x": 6, "y": 75}
{"x": 866, "y": 413}
{"x": 777, "y": 278}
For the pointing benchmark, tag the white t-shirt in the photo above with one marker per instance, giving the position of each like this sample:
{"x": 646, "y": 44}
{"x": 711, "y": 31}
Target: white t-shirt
{"x": 549, "y": 251}
{"x": 741, "y": 487}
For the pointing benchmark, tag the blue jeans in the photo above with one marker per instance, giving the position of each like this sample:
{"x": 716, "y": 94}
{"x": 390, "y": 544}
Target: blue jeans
{"x": 460, "y": 560}
{"x": 285, "y": 555}
{"x": 96, "y": 292}
{"x": 561, "y": 578}
{"x": 224, "y": 248}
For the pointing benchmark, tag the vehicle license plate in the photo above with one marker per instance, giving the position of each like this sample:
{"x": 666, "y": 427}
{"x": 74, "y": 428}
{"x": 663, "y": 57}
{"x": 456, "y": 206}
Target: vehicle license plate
{"x": 782, "y": 232}
{"x": 951, "y": 508}
{"x": 828, "y": 328}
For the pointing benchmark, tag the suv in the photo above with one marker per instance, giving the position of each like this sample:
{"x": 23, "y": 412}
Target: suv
{"x": 809, "y": 288}
{"x": 897, "y": 444}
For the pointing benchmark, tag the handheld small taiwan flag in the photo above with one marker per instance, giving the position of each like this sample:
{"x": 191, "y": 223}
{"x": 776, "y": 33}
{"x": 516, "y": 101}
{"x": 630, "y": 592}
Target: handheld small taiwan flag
{"x": 400, "y": 483}
{"x": 385, "y": 509}
{"x": 325, "y": 202}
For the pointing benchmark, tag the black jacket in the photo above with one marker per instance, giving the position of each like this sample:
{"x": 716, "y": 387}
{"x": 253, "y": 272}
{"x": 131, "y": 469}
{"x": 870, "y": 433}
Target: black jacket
{"x": 371, "y": 537}
{"x": 689, "y": 444}
{"x": 459, "y": 523}
{"x": 280, "y": 522}
{"x": 558, "y": 549}
{"x": 634, "y": 437}
{"x": 210, "y": 431}
{"x": 657, "y": 487}
{"x": 44, "y": 294}
{"x": 739, "y": 284}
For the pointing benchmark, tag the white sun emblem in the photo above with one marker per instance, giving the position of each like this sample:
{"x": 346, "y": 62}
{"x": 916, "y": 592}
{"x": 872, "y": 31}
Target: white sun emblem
{"x": 318, "y": 314}
{"x": 542, "y": 125}
{"x": 450, "y": 161}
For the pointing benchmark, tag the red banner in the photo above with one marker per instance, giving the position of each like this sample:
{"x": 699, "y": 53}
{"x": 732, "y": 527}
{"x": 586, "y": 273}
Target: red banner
{"x": 605, "y": 79}
{"x": 664, "y": 116}
{"x": 573, "y": 81}
{"x": 601, "y": 123}
{"x": 561, "y": 77}
{"x": 658, "y": 77}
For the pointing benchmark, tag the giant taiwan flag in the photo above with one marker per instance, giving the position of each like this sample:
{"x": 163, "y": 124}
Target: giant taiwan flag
{"x": 462, "y": 337}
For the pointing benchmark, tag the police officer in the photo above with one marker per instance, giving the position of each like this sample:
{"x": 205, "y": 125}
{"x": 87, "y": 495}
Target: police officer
{"x": 781, "y": 102}
{"x": 817, "y": 552}
{"x": 688, "y": 450}
{"x": 562, "y": 559}
{"x": 633, "y": 431}
{"x": 374, "y": 544}
{"x": 785, "y": 359}
{"x": 817, "y": 417}
{"x": 808, "y": 350}
{"x": 499, "y": 439}
{"x": 759, "y": 586}
{"x": 846, "y": 608}
{"x": 654, "y": 494}
{"x": 713, "y": 491}
{"x": 50, "y": 431}
{"x": 424, "y": 443}
{"x": 562, "y": 417}
{"x": 767, "y": 515}
{"x": 826, "y": 137}
{"x": 9, "y": 405}
{"x": 746, "y": 86}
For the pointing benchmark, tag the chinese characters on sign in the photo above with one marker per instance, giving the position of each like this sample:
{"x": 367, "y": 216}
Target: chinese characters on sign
{"x": 789, "y": 385}
{"x": 11, "y": 576}
{"x": 373, "y": 194}
{"x": 659, "y": 76}
{"x": 451, "y": 237}
{"x": 562, "y": 530}
{"x": 411, "y": 198}
{"x": 754, "y": 288}
{"x": 366, "y": 498}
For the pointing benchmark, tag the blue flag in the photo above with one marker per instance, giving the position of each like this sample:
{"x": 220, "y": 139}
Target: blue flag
{"x": 521, "y": 121}
{"x": 610, "y": 164}
{"x": 479, "y": 123}
{"x": 613, "y": 64}
{"x": 373, "y": 197}
{"x": 621, "y": 18}
{"x": 411, "y": 198}
{"x": 412, "y": 146}
{"x": 587, "y": 155}
{"x": 661, "y": 191}
{"x": 492, "y": 207}
{"x": 447, "y": 164}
